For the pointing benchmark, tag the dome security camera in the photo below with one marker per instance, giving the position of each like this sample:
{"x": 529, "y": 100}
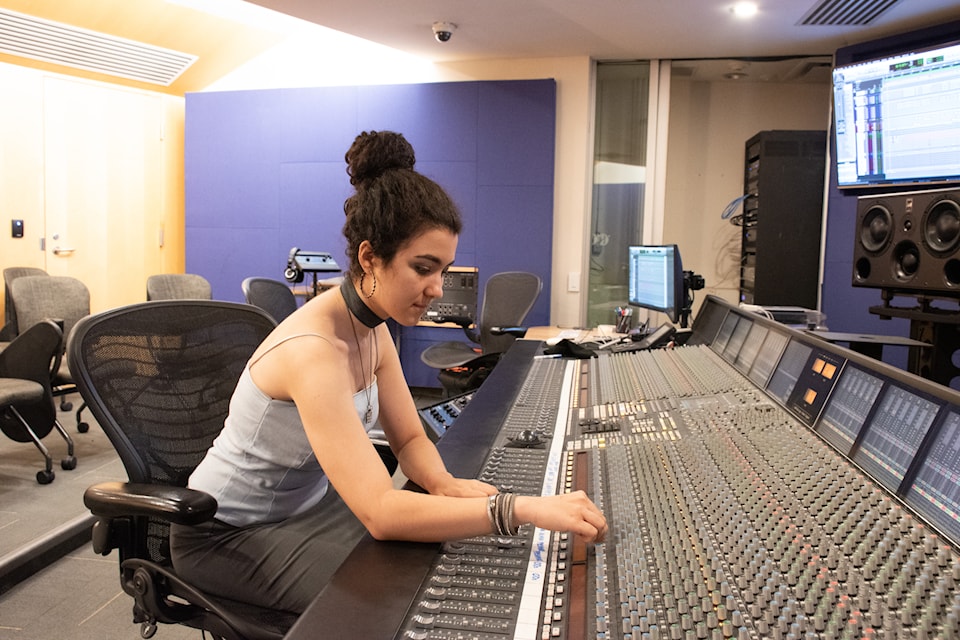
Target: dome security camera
{"x": 443, "y": 31}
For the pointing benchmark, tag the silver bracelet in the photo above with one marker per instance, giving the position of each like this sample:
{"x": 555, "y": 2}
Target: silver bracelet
{"x": 503, "y": 516}
{"x": 491, "y": 508}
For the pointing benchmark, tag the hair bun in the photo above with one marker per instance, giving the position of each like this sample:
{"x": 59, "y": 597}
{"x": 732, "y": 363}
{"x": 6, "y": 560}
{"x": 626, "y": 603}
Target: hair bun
{"x": 375, "y": 152}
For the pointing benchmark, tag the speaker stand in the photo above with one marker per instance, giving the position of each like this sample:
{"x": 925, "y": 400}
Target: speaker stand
{"x": 935, "y": 326}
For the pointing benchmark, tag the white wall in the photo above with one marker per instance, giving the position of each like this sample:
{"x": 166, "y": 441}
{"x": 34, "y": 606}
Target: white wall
{"x": 709, "y": 126}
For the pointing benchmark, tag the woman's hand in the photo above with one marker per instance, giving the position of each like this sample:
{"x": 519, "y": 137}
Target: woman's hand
{"x": 573, "y": 512}
{"x": 463, "y": 488}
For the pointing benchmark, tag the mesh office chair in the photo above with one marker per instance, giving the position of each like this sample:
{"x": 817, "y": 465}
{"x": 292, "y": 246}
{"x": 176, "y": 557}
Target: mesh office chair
{"x": 158, "y": 377}
{"x": 10, "y": 328}
{"x": 507, "y": 299}
{"x": 64, "y": 300}
{"x": 27, "y": 410}
{"x": 178, "y": 286}
{"x": 272, "y": 296}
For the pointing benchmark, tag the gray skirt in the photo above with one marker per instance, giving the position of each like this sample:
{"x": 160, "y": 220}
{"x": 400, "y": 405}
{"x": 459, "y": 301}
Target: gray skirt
{"x": 280, "y": 565}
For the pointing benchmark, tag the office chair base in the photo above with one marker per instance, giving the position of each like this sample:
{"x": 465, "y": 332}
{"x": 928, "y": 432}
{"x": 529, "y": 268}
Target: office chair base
{"x": 46, "y": 475}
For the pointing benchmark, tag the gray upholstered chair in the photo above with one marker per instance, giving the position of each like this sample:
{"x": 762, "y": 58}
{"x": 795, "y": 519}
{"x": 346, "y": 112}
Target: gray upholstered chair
{"x": 10, "y": 329}
{"x": 507, "y": 299}
{"x": 178, "y": 286}
{"x": 62, "y": 299}
{"x": 27, "y": 411}
{"x": 272, "y": 296}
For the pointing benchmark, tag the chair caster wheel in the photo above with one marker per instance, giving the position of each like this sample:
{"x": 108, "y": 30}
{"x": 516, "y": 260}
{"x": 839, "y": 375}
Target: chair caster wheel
{"x": 83, "y": 427}
{"x": 66, "y": 406}
{"x": 45, "y": 477}
{"x": 68, "y": 463}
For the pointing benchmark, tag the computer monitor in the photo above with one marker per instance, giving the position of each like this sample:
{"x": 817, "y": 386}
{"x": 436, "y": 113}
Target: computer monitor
{"x": 897, "y": 118}
{"x": 655, "y": 279}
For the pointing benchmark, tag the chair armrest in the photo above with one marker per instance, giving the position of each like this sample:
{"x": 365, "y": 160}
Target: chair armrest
{"x": 464, "y": 322}
{"x": 461, "y": 321}
{"x": 178, "y": 505}
{"x": 516, "y": 332}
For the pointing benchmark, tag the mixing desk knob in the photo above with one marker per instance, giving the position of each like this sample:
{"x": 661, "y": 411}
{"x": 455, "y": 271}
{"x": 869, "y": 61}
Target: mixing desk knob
{"x": 712, "y": 620}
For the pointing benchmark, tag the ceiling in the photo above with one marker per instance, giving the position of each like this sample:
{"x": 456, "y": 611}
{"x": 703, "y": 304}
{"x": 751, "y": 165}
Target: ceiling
{"x": 705, "y": 32}
{"x": 610, "y": 29}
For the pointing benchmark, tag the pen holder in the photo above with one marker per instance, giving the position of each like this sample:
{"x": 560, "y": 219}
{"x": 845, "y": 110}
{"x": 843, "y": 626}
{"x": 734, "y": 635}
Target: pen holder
{"x": 624, "y": 322}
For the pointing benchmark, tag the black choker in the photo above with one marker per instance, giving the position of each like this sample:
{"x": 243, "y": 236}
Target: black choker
{"x": 358, "y": 307}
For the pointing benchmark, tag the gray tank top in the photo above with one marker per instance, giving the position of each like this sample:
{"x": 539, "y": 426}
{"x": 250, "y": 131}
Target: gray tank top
{"x": 261, "y": 467}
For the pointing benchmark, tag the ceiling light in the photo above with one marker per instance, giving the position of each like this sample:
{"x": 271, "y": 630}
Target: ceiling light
{"x": 738, "y": 70}
{"x": 745, "y": 9}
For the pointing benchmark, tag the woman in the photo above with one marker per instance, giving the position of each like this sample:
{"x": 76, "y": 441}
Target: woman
{"x": 294, "y": 472}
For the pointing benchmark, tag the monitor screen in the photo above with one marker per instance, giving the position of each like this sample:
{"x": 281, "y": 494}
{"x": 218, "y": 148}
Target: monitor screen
{"x": 655, "y": 279}
{"x": 894, "y": 435}
{"x": 897, "y": 119}
{"x": 935, "y": 492}
{"x": 848, "y": 408}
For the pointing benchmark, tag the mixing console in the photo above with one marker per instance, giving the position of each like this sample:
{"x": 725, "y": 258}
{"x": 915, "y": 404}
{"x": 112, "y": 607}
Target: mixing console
{"x": 757, "y": 484}
{"x": 729, "y": 519}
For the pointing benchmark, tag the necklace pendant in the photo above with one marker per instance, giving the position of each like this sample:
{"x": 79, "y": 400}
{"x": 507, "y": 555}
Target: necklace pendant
{"x": 368, "y": 415}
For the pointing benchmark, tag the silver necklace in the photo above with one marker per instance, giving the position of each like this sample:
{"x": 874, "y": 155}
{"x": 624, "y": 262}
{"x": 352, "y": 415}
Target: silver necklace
{"x": 368, "y": 414}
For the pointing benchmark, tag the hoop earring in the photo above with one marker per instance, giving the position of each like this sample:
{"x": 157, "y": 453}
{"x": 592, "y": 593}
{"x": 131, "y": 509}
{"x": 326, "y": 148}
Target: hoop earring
{"x": 373, "y": 290}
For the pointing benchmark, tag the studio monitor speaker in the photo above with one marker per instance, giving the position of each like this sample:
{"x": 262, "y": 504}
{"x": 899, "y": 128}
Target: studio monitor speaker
{"x": 909, "y": 242}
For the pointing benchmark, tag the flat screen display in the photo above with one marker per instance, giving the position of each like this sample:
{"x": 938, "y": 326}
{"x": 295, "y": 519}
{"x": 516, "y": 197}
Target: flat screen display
{"x": 768, "y": 357}
{"x": 726, "y": 330}
{"x": 848, "y": 408}
{"x": 935, "y": 492}
{"x": 751, "y": 347}
{"x": 655, "y": 279}
{"x": 897, "y": 119}
{"x": 894, "y": 435}
{"x": 788, "y": 371}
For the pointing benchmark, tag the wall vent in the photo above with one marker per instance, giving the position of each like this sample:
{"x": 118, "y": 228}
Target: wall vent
{"x": 847, "y": 12}
{"x": 30, "y": 37}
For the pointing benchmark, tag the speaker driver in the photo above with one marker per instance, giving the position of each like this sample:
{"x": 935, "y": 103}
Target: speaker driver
{"x": 876, "y": 228}
{"x": 941, "y": 229}
{"x": 906, "y": 258}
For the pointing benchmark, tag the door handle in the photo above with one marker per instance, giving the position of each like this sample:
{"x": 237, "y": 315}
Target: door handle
{"x": 63, "y": 251}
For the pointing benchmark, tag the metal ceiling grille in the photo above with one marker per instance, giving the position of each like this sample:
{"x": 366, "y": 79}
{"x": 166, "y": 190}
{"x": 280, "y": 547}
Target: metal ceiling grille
{"x": 59, "y": 43}
{"x": 846, "y": 12}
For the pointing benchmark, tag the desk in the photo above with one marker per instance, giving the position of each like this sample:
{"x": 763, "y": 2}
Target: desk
{"x": 576, "y": 335}
{"x": 867, "y": 344}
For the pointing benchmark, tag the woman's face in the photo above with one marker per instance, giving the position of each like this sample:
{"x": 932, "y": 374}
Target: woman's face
{"x": 414, "y": 278}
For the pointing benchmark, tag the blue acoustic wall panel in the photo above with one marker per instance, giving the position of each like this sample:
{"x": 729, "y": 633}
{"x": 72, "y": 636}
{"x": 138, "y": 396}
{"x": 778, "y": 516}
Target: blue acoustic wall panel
{"x": 264, "y": 172}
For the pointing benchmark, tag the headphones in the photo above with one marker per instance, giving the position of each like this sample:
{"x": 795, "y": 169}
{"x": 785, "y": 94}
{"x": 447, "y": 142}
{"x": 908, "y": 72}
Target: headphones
{"x": 293, "y": 272}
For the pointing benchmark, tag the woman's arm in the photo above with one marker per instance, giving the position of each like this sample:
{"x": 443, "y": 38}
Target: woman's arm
{"x": 418, "y": 456}
{"x": 324, "y": 398}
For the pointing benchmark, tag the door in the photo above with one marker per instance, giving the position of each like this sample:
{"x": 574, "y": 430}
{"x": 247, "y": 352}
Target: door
{"x": 103, "y": 205}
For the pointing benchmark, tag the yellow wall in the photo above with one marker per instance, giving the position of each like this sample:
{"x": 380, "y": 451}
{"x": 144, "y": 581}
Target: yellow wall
{"x": 95, "y": 168}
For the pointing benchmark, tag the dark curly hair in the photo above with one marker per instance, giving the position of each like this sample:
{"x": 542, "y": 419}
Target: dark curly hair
{"x": 392, "y": 203}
